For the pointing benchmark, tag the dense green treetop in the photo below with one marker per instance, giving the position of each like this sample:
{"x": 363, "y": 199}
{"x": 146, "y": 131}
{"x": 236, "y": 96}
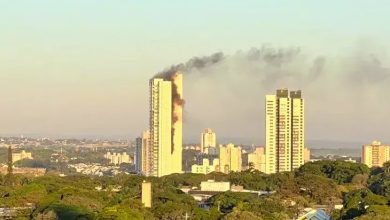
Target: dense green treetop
{"x": 363, "y": 192}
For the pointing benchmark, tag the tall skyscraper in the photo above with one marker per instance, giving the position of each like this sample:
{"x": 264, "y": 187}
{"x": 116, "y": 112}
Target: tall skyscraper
{"x": 208, "y": 141}
{"x": 143, "y": 154}
{"x": 230, "y": 158}
{"x": 166, "y": 125}
{"x": 375, "y": 154}
{"x": 284, "y": 131}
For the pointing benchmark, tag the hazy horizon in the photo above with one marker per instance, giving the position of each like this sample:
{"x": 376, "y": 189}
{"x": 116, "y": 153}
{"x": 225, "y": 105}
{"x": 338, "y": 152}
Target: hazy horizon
{"x": 81, "y": 69}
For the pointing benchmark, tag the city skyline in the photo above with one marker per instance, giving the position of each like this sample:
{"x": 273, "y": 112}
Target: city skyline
{"x": 215, "y": 110}
{"x": 85, "y": 77}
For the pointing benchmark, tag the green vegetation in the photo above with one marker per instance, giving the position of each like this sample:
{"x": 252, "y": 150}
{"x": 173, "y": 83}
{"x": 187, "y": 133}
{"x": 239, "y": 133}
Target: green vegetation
{"x": 364, "y": 193}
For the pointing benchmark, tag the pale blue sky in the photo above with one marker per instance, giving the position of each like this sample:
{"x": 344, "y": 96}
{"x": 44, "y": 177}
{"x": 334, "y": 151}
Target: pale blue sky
{"x": 81, "y": 67}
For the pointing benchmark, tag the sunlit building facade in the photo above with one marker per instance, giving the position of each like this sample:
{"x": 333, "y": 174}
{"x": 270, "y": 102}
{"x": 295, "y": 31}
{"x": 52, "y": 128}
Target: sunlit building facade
{"x": 306, "y": 155}
{"x": 230, "y": 158}
{"x": 146, "y": 191}
{"x": 21, "y": 156}
{"x": 206, "y": 167}
{"x": 284, "y": 131}
{"x": 256, "y": 159}
{"x": 118, "y": 158}
{"x": 208, "y": 142}
{"x": 166, "y": 121}
{"x": 143, "y": 154}
{"x": 375, "y": 154}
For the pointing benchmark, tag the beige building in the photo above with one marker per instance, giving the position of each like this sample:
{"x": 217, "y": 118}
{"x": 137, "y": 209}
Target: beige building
{"x": 257, "y": 159}
{"x": 118, "y": 158}
{"x": 21, "y": 156}
{"x": 146, "y": 194}
{"x": 230, "y": 158}
{"x": 208, "y": 141}
{"x": 206, "y": 167}
{"x": 212, "y": 186}
{"x": 166, "y": 122}
{"x": 306, "y": 153}
{"x": 143, "y": 154}
{"x": 375, "y": 154}
{"x": 284, "y": 131}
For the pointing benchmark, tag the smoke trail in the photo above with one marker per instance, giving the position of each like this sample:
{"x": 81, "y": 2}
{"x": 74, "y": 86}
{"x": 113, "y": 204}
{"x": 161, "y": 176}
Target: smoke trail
{"x": 238, "y": 79}
{"x": 368, "y": 69}
{"x": 195, "y": 63}
{"x": 317, "y": 68}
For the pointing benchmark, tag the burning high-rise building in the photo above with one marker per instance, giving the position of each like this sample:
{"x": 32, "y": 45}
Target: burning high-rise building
{"x": 166, "y": 124}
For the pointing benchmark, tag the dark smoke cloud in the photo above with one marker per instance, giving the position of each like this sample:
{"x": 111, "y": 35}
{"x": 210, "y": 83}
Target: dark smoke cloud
{"x": 235, "y": 85}
{"x": 273, "y": 56}
{"x": 268, "y": 64}
{"x": 317, "y": 69}
{"x": 195, "y": 63}
{"x": 368, "y": 69}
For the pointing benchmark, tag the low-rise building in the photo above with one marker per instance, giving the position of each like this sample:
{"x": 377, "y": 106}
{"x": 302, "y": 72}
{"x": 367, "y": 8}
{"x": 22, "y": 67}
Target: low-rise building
{"x": 21, "y": 155}
{"x": 213, "y": 186}
{"x": 206, "y": 167}
{"x": 28, "y": 171}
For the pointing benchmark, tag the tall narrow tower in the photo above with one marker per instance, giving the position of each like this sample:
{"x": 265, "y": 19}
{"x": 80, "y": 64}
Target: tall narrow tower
{"x": 166, "y": 122}
{"x": 284, "y": 131}
{"x": 297, "y": 129}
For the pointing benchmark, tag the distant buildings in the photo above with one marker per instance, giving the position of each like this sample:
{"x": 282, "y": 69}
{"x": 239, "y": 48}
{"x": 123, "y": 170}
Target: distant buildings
{"x": 284, "y": 131}
{"x": 118, "y": 158}
{"x": 166, "y": 122}
{"x": 96, "y": 169}
{"x": 208, "y": 142}
{"x": 20, "y": 156}
{"x": 230, "y": 158}
{"x": 206, "y": 167}
{"x": 256, "y": 159}
{"x": 25, "y": 171}
{"x": 375, "y": 154}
